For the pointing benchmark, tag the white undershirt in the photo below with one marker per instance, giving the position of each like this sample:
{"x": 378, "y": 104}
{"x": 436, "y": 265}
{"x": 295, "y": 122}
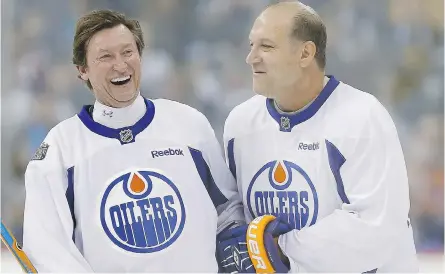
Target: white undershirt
{"x": 119, "y": 117}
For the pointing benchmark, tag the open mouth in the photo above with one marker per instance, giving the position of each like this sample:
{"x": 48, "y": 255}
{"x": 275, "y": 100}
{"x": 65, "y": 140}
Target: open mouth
{"x": 121, "y": 80}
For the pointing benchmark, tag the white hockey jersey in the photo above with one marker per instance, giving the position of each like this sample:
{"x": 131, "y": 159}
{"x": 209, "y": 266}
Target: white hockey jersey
{"x": 335, "y": 170}
{"x": 144, "y": 198}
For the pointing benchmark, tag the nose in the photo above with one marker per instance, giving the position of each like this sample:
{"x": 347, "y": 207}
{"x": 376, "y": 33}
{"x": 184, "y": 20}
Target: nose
{"x": 120, "y": 65}
{"x": 253, "y": 57}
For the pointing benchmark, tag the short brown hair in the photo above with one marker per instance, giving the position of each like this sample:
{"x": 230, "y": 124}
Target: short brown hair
{"x": 310, "y": 27}
{"x": 95, "y": 21}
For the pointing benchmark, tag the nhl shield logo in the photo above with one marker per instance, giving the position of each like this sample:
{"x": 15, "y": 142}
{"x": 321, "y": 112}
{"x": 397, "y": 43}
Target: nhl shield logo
{"x": 285, "y": 123}
{"x": 126, "y": 135}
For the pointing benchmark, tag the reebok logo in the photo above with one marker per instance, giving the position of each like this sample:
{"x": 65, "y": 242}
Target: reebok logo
{"x": 166, "y": 152}
{"x": 312, "y": 146}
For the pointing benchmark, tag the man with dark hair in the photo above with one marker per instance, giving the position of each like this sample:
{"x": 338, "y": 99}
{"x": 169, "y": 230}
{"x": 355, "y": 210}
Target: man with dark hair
{"x": 129, "y": 184}
{"x": 318, "y": 163}
{"x": 87, "y": 26}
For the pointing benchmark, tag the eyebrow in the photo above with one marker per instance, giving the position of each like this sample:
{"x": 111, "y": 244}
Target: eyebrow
{"x": 264, "y": 40}
{"x": 123, "y": 46}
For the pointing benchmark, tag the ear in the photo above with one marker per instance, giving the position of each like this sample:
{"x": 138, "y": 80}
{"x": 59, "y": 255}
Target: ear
{"x": 308, "y": 53}
{"x": 83, "y": 72}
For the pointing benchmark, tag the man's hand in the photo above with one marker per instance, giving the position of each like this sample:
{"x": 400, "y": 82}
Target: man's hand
{"x": 280, "y": 252}
{"x": 231, "y": 251}
{"x": 262, "y": 244}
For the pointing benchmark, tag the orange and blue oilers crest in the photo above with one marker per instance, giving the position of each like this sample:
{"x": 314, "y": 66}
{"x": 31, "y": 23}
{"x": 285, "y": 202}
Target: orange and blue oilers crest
{"x": 282, "y": 188}
{"x": 142, "y": 211}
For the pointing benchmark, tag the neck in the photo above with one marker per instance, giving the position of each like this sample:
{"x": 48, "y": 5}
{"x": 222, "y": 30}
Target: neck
{"x": 110, "y": 102}
{"x": 306, "y": 90}
{"x": 113, "y": 117}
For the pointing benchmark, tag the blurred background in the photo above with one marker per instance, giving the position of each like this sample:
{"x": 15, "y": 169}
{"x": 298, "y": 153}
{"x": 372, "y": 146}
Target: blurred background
{"x": 195, "y": 54}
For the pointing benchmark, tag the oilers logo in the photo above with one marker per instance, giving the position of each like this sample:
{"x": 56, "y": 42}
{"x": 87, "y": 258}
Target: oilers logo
{"x": 142, "y": 211}
{"x": 282, "y": 188}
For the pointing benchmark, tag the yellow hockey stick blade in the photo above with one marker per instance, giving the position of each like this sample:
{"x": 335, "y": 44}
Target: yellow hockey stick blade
{"x": 11, "y": 243}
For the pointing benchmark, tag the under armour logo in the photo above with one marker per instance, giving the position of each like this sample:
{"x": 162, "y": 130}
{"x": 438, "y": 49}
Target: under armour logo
{"x": 107, "y": 113}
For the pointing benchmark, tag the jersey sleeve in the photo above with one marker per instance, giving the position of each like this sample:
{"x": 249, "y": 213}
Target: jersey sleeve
{"x": 48, "y": 223}
{"x": 229, "y": 144}
{"x": 222, "y": 187}
{"x": 372, "y": 181}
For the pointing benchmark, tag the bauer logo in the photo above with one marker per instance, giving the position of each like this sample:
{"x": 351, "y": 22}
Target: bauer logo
{"x": 142, "y": 211}
{"x": 282, "y": 188}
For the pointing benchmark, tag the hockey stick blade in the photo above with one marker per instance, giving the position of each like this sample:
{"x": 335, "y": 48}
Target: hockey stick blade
{"x": 11, "y": 243}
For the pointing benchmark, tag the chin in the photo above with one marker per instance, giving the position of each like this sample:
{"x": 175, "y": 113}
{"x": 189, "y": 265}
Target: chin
{"x": 261, "y": 91}
{"x": 130, "y": 96}
{"x": 125, "y": 99}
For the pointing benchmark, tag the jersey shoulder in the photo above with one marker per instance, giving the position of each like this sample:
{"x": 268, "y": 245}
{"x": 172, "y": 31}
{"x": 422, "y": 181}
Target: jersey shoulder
{"x": 64, "y": 131}
{"x": 178, "y": 116}
{"x": 67, "y": 132}
{"x": 357, "y": 109}
{"x": 59, "y": 140}
{"x": 245, "y": 117}
{"x": 356, "y": 99}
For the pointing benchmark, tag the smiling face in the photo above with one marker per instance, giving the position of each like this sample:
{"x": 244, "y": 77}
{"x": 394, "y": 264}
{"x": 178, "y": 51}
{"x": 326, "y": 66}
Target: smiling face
{"x": 274, "y": 55}
{"x": 113, "y": 66}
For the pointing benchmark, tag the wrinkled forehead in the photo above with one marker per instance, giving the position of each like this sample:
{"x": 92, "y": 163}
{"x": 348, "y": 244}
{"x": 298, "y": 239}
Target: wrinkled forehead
{"x": 111, "y": 39}
{"x": 270, "y": 26}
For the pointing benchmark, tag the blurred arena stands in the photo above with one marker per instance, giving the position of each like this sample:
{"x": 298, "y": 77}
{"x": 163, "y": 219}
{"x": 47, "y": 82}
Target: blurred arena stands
{"x": 195, "y": 54}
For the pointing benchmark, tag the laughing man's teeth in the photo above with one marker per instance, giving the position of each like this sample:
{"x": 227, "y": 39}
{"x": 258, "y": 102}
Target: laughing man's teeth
{"x": 120, "y": 79}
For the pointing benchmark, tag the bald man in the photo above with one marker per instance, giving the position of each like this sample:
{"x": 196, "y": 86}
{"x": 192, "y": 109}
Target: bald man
{"x": 318, "y": 163}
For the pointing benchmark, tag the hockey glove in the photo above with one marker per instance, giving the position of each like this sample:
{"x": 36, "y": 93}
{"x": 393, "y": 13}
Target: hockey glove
{"x": 263, "y": 250}
{"x": 231, "y": 251}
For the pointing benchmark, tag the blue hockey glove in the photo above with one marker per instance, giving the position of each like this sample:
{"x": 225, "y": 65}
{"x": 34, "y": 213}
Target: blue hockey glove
{"x": 263, "y": 250}
{"x": 231, "y": 251}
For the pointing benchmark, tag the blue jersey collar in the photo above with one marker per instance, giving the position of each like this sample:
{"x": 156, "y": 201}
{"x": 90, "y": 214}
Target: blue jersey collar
{"x": 288, "y": 121}
{"x": 125, "y": 135}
